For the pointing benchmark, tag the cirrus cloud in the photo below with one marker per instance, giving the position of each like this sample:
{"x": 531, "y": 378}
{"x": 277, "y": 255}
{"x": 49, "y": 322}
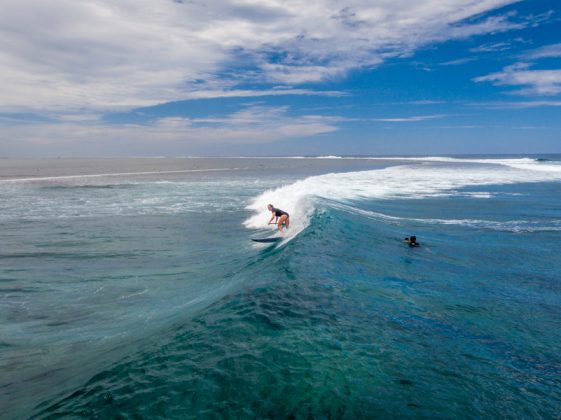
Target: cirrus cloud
{"x": 546, "y": 51}
{"x": 534, "y": 82}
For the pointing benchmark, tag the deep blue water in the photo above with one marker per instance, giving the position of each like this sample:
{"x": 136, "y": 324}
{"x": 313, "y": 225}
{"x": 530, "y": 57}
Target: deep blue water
{"x": 143, "y": 296}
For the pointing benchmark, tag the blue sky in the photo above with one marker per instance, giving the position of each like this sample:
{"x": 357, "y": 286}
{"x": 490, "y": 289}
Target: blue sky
{"x": 271, "y": 77}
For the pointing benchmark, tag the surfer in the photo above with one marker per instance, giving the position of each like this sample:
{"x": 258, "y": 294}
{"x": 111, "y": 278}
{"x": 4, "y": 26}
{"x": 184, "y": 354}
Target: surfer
{"x": 412, "y": 241}
{"x": 282, "y": 217}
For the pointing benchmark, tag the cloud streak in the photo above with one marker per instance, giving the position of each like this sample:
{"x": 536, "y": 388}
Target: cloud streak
{"x": 534, "y": 82}
{"x": 547, "y": 51}
{"x": 517, "y": 104}
{"x": 101, "y": 55}
{"x": 252, "y": 125}
{"x": 410, "y": 119}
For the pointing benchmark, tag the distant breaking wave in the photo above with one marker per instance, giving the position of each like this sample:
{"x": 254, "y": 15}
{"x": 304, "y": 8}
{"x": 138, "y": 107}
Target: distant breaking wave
{"x": 110, "y": 175}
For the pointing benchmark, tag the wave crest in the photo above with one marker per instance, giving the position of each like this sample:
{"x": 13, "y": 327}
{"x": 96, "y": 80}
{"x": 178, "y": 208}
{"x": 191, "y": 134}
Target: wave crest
{"x": 425, "y": 177}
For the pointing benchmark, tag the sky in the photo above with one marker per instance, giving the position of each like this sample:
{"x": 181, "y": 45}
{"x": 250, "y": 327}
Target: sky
{"x": 279, "y": 77}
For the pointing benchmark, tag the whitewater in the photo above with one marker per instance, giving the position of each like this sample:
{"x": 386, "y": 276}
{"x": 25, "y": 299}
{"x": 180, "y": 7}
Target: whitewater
{"x": 412, "y": 181}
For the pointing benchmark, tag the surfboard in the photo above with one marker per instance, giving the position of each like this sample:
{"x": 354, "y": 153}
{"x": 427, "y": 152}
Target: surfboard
{"x": 266, "y": 240}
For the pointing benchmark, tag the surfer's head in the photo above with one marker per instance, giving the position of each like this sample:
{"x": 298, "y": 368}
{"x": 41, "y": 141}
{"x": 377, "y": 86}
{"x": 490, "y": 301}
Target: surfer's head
{"x": 270, "y": 206}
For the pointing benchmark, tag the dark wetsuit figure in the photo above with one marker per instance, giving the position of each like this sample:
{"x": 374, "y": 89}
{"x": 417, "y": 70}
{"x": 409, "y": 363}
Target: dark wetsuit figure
{"x": 412, "y": 241}
{"x": 282, "y": 217}
{"x": 279, "y": 212}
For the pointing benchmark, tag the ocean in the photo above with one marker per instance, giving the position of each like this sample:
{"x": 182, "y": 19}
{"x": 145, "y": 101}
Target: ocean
{"x": 130, "y": 288}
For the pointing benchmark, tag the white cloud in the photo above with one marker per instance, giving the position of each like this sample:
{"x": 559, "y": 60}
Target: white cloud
{"x": 102, "y": 54}
{"x": 495, "y": 47}
{"x": 458, "y": 61}
{"x": 246, "y": 93}
{"x": 517, "y": 104}
{"x": 547, "y": 51}
{"x": 253, "y": 125}
{"x": 534, "y": 82}
{"x": 425, "y": 102}
{"x": 410, "y": 119}
{"x": 492, "y": 47}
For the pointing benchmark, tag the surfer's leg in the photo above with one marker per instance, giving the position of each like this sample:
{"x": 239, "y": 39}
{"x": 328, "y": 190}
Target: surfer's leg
{"x": 287, "y": 222}
{"x": 282, "y": 220}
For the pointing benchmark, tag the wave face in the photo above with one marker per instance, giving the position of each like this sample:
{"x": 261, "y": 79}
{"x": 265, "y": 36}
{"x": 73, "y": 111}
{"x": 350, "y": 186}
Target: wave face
{"x": 142, "y": 295}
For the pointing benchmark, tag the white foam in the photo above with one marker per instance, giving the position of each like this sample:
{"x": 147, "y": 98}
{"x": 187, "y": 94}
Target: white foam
{"x": 110, "y": 175}
{"x": 517, "y": 226}
{"x": 518, "y": 163}
{"x": 423, "y": 178}
{"x": 125, "y": 199}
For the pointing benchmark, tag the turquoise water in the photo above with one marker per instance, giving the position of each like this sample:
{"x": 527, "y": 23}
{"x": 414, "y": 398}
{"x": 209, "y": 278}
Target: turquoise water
{"x": 143, "y": 296}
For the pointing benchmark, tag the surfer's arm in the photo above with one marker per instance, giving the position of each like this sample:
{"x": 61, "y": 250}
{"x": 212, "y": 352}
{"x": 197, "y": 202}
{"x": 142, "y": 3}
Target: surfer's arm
{"x": 272, "y": 217}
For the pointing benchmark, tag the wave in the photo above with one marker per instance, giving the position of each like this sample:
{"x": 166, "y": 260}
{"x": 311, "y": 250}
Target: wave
{"x": 499, "y": 161}
{"x": 88, "y": 186}
{"x": 422, "y": 179}
{"x": 515, "y": 226}
{"x": 115, "y": 174}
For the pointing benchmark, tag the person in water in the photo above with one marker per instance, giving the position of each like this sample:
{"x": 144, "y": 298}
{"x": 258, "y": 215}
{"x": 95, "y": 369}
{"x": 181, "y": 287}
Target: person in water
{"x": 282, "y": 217}
{"x": 412, "y": 241}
